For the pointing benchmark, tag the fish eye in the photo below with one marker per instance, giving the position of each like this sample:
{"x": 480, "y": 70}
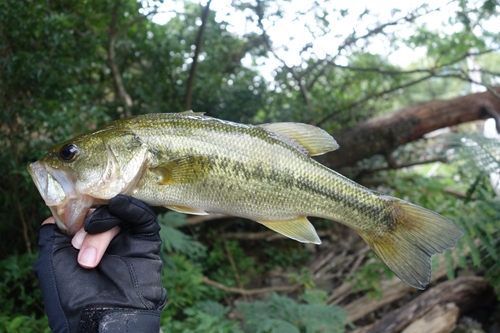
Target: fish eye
{"x": 68, "y": 152}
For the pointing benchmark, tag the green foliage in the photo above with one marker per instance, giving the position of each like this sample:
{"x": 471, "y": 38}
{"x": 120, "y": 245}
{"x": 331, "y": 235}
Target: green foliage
{"x": 314, "y": 296}
{"x": 21, "y": 309}
{"x": 18, "y": 288}
{"x": 23, "y": 324}
{"x": 285, "y": 255}
{"x": 219, "y": 267}
{"x": 282, "y": 314}
{"x": 478, "y": 162}
{"x": 175, "y": 240}
{"x": 184, "y": 284}
{"x": 204, "y": 316}
{"x": 305, "y": 278}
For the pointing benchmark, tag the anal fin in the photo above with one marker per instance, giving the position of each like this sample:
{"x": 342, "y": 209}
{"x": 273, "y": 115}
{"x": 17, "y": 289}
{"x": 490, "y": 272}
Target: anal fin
{"x": 299, "y": 229}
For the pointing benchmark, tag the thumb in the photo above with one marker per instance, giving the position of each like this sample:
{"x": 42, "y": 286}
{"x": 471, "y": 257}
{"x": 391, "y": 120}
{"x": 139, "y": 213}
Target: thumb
{"x": 139, "y": 216}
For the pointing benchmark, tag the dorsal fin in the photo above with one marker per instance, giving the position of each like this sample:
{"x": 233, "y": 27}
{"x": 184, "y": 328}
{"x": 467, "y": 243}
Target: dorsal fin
{"x": 310, "y": 139}
{"x": 192, "y": 113}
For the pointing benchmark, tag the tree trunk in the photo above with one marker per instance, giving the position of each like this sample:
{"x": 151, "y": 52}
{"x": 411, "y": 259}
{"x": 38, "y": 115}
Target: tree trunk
{"x": 383, "y": 134}
{"x": 192, "y": 70}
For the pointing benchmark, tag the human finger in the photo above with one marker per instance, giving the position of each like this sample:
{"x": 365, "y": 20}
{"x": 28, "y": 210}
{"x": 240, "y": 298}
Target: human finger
{"x": 49, "y": 220}
{"x": 93, "y": 246}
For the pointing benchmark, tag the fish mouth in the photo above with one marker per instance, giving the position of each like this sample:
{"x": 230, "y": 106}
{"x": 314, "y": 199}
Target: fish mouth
{"x": 57, "y": 188}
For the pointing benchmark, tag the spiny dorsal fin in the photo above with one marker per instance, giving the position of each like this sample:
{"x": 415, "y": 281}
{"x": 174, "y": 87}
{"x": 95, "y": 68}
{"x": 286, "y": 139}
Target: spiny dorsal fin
{"x": 299, "y": 229}
{"x": 192, "y": 113}
{"x": 311, "y": 139}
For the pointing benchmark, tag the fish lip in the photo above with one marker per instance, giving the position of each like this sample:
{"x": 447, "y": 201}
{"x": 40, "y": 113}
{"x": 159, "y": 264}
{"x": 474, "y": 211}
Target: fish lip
{"x": 57, "y": 189}
{"x": 54, "y": 185}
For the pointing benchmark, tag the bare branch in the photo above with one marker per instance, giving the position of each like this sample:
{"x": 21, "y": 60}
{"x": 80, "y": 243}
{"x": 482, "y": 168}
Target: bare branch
{"x": 233, "y": 267}
{"x": 464, "y": 77}
{"x": 137, "y": 19}
{"x": 382, "y": 70}
{"x": 410, "y": 17}
{"x": 248, "y": 292}
{"x": 484, "y": 71}
{"x": 352, "y": 40}
{"x": 405, "y": 165}
{"x": 291, "y": 70}
{"x": 413, "y": 71}
{"x": 376, "y": 95}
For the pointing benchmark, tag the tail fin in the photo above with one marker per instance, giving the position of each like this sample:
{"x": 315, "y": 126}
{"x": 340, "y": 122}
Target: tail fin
{"x": 415, "y": 235}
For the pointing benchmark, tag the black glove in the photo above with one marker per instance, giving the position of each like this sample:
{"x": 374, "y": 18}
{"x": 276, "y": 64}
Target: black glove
{"x": 123, "y": 293}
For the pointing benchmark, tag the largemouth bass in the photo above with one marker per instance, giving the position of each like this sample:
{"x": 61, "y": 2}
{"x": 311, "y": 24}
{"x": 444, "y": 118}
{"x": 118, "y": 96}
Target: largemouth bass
{"x": 196, "y": 164}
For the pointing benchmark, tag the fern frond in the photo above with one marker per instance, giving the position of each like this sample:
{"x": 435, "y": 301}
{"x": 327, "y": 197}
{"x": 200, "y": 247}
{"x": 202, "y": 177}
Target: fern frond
{"x": 175, "y": 240}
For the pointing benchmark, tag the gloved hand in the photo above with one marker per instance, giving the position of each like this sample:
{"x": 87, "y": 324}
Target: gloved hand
{"x": 123, "y": 293}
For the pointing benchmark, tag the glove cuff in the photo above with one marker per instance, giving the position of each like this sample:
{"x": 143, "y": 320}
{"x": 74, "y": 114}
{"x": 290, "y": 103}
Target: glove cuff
{"x": 116, "y": 320}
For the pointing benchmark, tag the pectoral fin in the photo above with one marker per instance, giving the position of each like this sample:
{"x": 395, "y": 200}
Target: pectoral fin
{"x": 299, "y": 229}
{"x": 307, "y": 138}
{"x": 186, "y": 210}
{"x": 184, "y": 170}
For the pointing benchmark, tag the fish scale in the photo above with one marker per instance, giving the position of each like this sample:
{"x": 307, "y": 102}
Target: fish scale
{"x": 196, "y": 164}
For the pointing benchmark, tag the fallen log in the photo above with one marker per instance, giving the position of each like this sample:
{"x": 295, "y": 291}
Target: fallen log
{"x": 383, "y": 134}
{"x": 392, "y": 290}
{"x": 439, "y": 319}
{"x": 465, "y": 292}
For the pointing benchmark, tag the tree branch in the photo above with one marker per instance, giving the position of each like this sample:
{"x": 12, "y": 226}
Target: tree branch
{"x": 405, "y": 165}
{"x": 376, "y": 95}
{"x": 233, "y": 267}
{"x": 267, "y": 40}
{"x": 192, "y": 70}
{"x": 248, "y": 292}
{"x": 330, "y": 61}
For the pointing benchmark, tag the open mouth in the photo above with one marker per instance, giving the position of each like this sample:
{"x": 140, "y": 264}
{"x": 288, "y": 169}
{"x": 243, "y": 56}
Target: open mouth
{"x": 56, "y": 187}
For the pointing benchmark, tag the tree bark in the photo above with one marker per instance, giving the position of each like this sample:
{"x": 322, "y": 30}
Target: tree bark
{"x": 383, "y": 134}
